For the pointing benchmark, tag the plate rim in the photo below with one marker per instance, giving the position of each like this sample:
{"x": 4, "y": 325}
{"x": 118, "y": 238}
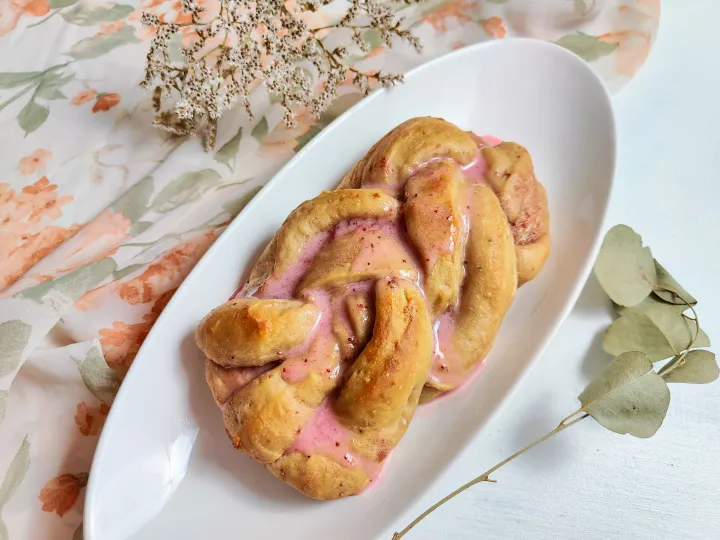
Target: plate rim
{"x": 92, "y": 485}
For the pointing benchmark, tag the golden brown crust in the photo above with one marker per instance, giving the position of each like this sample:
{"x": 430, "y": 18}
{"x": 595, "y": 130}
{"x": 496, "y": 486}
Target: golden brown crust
{"x": 511, "y": 174}
{"x": 490, "y": 282}
{"x": 358, "y": 256}
{"x": 328, "y": 385}
{"x": 318, "y": 476}
{"x": 313, "y": 217}
{"x": 399, "y": 153}
{"x": 322, "y": 213}
{"x": 393, "y": 364}
{"x": 434, "y": 219}
{"x": 491, "y": 278}
{"x": 361, "y": 317}
{"x": 265, "y": 417}
{"x": 531, "y": 258}
{"x": 224, "y": 382}
{"x": 252, "y": 332}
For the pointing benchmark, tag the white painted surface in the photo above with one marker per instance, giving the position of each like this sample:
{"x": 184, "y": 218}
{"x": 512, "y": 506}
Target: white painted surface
{"x": 588, "y": 483}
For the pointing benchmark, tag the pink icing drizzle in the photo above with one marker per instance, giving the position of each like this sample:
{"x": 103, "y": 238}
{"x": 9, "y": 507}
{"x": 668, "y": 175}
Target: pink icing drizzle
{"x": 315, "y": 357}
{"x": 475, "y": 172}
{"x": 324, "y": 433}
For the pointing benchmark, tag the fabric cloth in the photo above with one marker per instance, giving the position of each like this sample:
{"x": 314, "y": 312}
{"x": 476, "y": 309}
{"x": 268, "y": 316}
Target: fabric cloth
{"x": 102, "y": 216}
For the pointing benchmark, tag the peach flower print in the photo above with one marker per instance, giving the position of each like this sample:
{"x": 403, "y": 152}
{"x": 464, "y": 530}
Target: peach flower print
{"x": 60, "y": 494}
{"x": 98, "y": 239}
{"x": 90, "y": 420}
{"x": 167, "y": 273}
{"x": 154, "y": 288}
{"x": 25, "y": 234}
{"x": 283, "y": 139}
{"x": 462, "y": 11}
{"x": 494, "y": 27}
{"x": 121, "y": 343}
{"x": 34, "y": 162}
{"x": 650, "y": 7}
{"x": 93, "y": 299}
{"x": 105, "y": 102}
{"x": 633, "y": 48}
{"x": 37, "y": 8}
{"x": 12, "y": 10}
{"x": 83, "y": 97}
{"x": 632, "y": 34}
{"x": 111, "y": 28}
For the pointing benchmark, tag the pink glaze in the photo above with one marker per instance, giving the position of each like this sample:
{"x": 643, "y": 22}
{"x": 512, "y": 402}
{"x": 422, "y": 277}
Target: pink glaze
{"x": 324, "y": 434}
{"x": 283, "y": 285}
{"x": 447, "y": 364}
{"x": 317, "y": 359}
{"x": 386, "y": 232}
{"x": 475, "y": 172}
{"x": 228, "y": 381}
{"x": 491, "y": 140}
{"x": 317, "y": 356}
{"x": 379, "y": 250}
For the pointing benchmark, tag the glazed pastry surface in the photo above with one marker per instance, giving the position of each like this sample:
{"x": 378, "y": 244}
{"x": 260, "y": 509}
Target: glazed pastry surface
{"x": 373, "y": 298}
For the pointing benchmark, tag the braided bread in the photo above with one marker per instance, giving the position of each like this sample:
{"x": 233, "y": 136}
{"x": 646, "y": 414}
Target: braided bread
{"x": 371, "y": 299}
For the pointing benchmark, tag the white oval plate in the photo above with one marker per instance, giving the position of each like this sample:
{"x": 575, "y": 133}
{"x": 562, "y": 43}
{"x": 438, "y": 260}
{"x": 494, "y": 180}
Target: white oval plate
{"x": 164, "y": 467}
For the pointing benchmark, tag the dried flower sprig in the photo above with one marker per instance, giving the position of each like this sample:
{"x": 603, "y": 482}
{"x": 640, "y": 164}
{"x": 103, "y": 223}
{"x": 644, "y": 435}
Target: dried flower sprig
{"x": 630, "y": 396}
{"x": 224, "y": 56}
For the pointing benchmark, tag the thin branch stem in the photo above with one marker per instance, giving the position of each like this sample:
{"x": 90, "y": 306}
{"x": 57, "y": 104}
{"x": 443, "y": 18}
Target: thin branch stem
{"x": 485, "y": 477}
{"x": 352, "y": 26}
{"x": 680, "y": 360}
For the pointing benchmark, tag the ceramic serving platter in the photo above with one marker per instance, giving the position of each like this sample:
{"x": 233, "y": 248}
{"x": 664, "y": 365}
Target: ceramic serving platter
{"x": 164, "y": 467}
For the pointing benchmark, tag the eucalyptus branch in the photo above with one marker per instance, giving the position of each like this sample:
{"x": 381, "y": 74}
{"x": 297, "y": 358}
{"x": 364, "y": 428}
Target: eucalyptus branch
{"x": 679, "y": 361}
{"x": 226, "y": 55}
{"x": 629, "y": 396}
{"x": 485, "y": 477}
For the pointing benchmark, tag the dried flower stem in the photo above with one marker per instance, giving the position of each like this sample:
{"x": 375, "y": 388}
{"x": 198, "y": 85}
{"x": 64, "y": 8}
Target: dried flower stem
{"x": 680, "y": 360}
{"x": 225, "y": 56}
{"x": 574, "y": 418}
{"x": 585, "y": 411}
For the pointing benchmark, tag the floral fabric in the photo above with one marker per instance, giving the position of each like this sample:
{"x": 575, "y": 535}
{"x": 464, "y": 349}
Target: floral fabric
{"x": 102, "y": 216}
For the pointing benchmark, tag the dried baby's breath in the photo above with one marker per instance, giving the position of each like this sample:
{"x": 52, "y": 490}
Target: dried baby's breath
{"x": 224, "y": 56}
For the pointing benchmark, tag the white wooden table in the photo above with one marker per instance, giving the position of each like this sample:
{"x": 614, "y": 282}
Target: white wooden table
{"x": 588, "y": 483}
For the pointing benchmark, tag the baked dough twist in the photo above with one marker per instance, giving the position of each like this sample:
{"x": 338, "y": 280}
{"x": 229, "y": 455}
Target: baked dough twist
{"x": 372, "y": 298}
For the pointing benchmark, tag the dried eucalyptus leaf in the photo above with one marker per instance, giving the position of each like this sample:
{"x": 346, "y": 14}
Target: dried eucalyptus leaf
{"x": 653, "y": 327}
{"x": 665, "y": 280}
{"x": 678, "y": 330}
{"x": 625, "y": 268}
{"x": 698, "y": 367}
{"x": 703, "y": 340}
{"x": 628, "y": 396}
{"x": 650, "y": 303}
{"x": 636, "y": 331}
